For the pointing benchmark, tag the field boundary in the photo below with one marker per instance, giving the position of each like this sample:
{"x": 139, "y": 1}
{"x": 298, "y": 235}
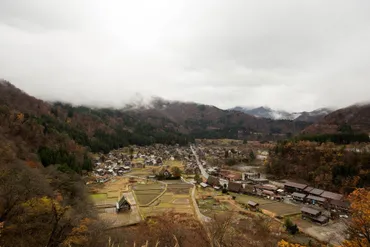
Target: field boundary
{"x": 152, "y": 201}
{"x": 156, "y": 198}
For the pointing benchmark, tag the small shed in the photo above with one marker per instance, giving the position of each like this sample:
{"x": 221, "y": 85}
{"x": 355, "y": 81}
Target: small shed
{"x": 203, "y": 185}
{"x": 253, "y": 206}
{"x": 280, "y": 191}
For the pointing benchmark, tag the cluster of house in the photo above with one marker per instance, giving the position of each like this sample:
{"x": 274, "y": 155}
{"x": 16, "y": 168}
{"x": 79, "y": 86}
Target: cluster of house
{"x": 191, "y": 167}
{"x": 314, "y": 215}
{"x": 118, "y": 162}
{"x": 240, "y": 154}
{"x": 246, "y": 183}
{"x": 219, "y": 152}
{"x": 307, "y": 194}
{"x": 112, "y": 165}
{"x": 253, "y": 184}
{"x": 156, "y": 154}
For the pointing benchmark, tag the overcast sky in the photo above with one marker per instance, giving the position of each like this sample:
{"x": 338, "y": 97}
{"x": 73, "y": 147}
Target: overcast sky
{"x": 292, "y": 55}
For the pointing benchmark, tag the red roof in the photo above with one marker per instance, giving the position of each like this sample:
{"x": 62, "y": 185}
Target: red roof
{"x": 266, "y": 192}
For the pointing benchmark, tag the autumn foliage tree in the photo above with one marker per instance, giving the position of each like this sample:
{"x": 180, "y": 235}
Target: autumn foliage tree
{"x": 284, "y": 243}
{"x": 176, "y": 171}
{"x": 359, "y": 225}
{"x": 43, "y": 202}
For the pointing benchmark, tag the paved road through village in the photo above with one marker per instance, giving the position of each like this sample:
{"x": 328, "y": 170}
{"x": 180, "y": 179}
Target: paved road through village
{"x": 203, "y": 171}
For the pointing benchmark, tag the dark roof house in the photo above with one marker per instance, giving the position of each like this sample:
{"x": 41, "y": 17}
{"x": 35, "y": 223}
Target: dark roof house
{"x": 259, "y": 180}
{"x": 234, "y": 187}
{"x": 322, "y": 219}
{"x": 308, "y": 189}
{"x": 332, "y": 196}
{"x": 122, "y": 204}
{"x": 296, "y": 186}
{"x": 340, "y": 204}
{"x": 316, "y": 192}
{"x": 267, "y": 192}
{"x": 310, "y": 211}
{"x": 267, "y": 187}
{"x": 299, "y": 196}
{"x": 316, "y": 198}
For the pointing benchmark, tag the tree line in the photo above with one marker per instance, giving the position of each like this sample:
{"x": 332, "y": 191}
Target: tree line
{"x": 338, "y": 138}
{"x": 325, "y": 165}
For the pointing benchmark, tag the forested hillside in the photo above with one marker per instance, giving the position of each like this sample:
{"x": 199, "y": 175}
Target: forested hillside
{"x": 58, "y": 133}
{"x": 205, "y": 121}
{"x": 325, "y": 166}
{"x": 43, "y": 148}
{"x": 354, "y": 119}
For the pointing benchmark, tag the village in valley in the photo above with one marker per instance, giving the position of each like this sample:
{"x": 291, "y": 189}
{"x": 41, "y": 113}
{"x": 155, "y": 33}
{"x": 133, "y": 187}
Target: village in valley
{"x": 209, "y": 178}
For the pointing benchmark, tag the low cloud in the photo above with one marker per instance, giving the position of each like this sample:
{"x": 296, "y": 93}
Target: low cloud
{"x": 292, "y": 55}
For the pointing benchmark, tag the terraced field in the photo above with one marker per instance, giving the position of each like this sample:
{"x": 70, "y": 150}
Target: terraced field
{"x": 179, "y": 188}
{"x": 176, "y": 198}
{"x": 146, "y": 193}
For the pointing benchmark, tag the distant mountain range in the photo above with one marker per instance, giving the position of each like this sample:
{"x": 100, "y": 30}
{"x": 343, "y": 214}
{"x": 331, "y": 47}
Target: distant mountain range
{"x": 28, "y": 124}
{"x": 266, "y": 112}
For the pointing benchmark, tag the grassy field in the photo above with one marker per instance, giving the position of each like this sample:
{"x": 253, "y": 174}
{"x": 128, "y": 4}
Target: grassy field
{"x": 98, "y": 197}
{"x": 281, "y": 209}
{"x": 275, "y": 207}
{"x": 243, "y": 199}
{"x": 209, "y": 207}
{"x": 204, "y": 192}
{"x": 103, "y": 199}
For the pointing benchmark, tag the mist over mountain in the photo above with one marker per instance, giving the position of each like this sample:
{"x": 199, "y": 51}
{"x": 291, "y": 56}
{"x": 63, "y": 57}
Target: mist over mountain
{"x": 266, "y": 112}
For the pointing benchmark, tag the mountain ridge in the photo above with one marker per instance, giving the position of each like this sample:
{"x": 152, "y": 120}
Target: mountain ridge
{"x": 267, "y": 112}
{"x": 354, "y": 118}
